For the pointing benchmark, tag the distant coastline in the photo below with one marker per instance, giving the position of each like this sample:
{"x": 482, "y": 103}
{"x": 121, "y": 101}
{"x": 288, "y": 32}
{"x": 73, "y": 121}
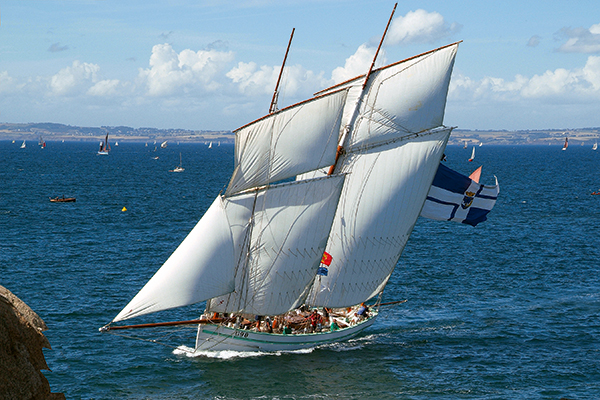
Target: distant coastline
{"x": 53, "y": 131}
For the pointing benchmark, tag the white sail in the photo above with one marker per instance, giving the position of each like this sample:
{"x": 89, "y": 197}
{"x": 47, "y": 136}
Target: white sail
{"x": 380, "y": 202}
{"x": 403, "y": 98}
{"x": 200, "y": 268}
{"x": 408, "y": 97}
{"x": 393, "y": 151}
{"x": 297, "y": 139}
{"x": 289, "y": 232}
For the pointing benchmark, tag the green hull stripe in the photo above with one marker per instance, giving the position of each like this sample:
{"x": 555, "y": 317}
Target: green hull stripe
{"x": 311, "y": 342}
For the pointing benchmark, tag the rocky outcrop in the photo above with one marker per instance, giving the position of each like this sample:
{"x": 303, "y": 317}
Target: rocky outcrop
{"x": 21, "y": 355}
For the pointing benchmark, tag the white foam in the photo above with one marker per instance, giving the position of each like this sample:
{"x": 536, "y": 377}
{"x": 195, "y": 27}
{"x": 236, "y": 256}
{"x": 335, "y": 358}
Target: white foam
{"x": 230, "y": 354}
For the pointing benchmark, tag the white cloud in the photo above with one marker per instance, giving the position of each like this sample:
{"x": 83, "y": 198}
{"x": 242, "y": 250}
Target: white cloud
{"x": 74, "y": 79}
{"x": 297, "y": 81}
{"x": 576, "y": 85}
{"x": 417, "y": 26}
{"x": 7, "y": 83}
{"x": 107, "y": 87}
{"x": 581, "y": 40}
{"x": 420, "y": 26}
{"x": 171, "y": 73}
{"x": 355, "y": 65}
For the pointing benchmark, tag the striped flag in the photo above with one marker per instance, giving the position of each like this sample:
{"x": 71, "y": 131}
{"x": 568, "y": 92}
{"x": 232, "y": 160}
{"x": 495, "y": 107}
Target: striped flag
{"x": 455, "y": 197}
{"x": 325, "y": 260}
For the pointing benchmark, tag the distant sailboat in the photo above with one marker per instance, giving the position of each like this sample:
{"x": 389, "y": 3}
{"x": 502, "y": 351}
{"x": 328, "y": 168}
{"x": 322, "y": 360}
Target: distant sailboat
{"x": 179, "y": 168}
{"x": 472, "y": 154}
{"x": 465, "y": 146}
{"x": 210, "y": 145}
{"x": 480, "y": 144}
{"x": 104, "y": 147}
{"x": 23, "y": 145}
{"x": 566, "y": 144}
{"x": 42, "y": 142}
{"x": 595, "y": 146}
{"x": 163, "y": 145}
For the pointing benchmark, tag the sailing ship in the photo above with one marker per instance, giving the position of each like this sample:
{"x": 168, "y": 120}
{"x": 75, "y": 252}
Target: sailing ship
{"x": 178, "y": 168}
{"x": 42, "y": 143}
{"x": 104, "y": 147}
{"x": 310, "y": 230}
{"x": 163, "y": 145}
{"x": 472, "y": 155}
{"x": 595, "y": 146}
{"x": 23, "y": 145}
{"x": 566, "y": 144}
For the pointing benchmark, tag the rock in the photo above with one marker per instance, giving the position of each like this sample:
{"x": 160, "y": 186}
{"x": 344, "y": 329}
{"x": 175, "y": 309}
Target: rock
{"x": 21, "y": 355}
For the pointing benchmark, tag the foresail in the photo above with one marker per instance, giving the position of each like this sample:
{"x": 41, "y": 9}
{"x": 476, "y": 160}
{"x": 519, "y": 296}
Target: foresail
{"x": 200, "y": 268}
{"x": 382, "y": 197}
{"x": 287, "y": 238}
{"x": 405, "y": 98}
{"x": 282, "y": 145}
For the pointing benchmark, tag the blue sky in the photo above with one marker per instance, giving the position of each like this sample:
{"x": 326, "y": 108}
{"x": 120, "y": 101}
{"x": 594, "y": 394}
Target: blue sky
{"x": 212, "y": 65}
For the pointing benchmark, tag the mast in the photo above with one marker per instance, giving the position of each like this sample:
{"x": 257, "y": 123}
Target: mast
{"x": 273, "y": 105}
{"x": 379, "y": 47}
{"x": 368, "y": 75}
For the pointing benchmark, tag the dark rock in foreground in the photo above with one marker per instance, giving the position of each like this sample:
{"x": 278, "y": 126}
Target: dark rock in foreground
{"x": 21, "y": 355}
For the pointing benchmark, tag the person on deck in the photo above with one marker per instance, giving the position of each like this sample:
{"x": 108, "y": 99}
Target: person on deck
{"x": 315, "y": 320}
{"x": 363, "y": 311}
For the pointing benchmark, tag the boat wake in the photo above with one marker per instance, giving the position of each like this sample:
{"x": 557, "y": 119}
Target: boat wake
{"x": 231, "y": 354}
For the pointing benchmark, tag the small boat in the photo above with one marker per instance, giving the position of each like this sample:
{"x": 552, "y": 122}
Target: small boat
{"x": 210, "y": 145}
{"x": 472, "y": 155}
{"x": 566, "y": 144}
{"x": 42, "y": 143}
{"x": 23, "y": 145}
{"x": 595, "y": 146}
{"x": 62, "y": 199}
{"x": 104, "y": 147}
{"x": 179, "y": 168}
{"x": 163, "y": 145}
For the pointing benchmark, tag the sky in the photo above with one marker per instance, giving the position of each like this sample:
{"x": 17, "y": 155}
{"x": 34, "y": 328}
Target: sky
{"x": 213, "y": 65}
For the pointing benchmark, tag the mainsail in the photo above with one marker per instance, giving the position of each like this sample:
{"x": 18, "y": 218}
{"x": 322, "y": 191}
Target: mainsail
{"x": 394, "y": 149}
{"x": 258, "y": 248}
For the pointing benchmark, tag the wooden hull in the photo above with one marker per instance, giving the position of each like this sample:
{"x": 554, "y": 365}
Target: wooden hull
{"x": 220, "y": 338}
{"x": 63, "y": 200}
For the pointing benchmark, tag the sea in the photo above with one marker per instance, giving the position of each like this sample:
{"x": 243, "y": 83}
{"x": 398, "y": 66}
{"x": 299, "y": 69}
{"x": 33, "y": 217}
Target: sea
{"x": 509, "y": 309}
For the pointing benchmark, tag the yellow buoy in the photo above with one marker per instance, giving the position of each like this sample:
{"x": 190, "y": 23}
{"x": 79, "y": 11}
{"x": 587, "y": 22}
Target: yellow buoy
{"x": 124, "y": 209}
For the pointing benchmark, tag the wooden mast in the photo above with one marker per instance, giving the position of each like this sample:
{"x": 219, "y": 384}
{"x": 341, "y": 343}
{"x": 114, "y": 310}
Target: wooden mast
{"x": 379, "y": 47}
{"x": 273, "y": 105}
{"x": 341, "y": 148}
